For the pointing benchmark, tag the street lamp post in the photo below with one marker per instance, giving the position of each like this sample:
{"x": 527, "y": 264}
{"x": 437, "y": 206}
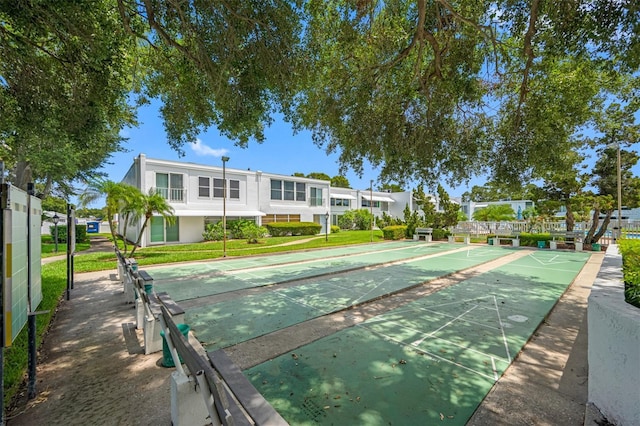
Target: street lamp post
{"x": 326, "y": 226}
{"x": 224, "y": 206}
{"x": 371, "y": 205}
{"x": 55, "y": 220}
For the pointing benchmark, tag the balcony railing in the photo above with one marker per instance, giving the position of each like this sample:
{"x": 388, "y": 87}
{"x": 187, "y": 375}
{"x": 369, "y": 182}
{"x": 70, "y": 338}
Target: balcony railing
{"x": 172, "y": 194}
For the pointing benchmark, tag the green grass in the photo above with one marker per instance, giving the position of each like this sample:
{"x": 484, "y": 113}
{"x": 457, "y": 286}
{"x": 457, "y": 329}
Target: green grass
{"x": 54, "y": 278}
{"x": 48, "y": 247}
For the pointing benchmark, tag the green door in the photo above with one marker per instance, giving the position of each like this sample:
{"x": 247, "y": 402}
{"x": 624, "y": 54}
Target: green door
{"x": 157, "y": 229}
{"x": 173, "y": 233}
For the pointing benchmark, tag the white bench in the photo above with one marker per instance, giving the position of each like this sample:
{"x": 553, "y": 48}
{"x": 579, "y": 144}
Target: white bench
{"x": 460, "y": 233}
{"x": 514, "y": 237}
{"x": 569, "y": 237}
{"x": 427, "y": 233}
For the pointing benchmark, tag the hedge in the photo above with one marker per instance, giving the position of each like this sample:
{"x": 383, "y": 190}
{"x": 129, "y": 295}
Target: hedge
{"x": 630, "y": 250}
{"x": 81, "y": 233}
{"x": 394, "y": 232}
{"x": 281, "y": 229}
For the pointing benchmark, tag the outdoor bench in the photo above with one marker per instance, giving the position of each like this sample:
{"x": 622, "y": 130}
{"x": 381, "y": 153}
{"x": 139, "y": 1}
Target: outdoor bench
{"x": 223, "y": 395}
{"x": 462, "y": 234}
{"x": 514, "y": 237}
{"x": 423, "y": 232}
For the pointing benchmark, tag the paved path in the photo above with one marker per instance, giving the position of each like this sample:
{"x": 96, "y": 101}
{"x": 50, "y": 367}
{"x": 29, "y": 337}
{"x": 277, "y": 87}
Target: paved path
{"x": 89, "y": 373}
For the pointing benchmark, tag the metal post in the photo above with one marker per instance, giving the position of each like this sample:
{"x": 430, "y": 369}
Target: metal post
{"x": 224, "y": 207}
{"x": 371, "y": 205}
{"x": 31, "y": 318}
{"x": 619, "y": 196}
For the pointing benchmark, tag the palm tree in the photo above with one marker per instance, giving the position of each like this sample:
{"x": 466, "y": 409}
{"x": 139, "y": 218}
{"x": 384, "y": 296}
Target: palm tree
{"x": 131, "y": 208}
{"x": 114, "y": 193}
{"x": 152, "y": 203}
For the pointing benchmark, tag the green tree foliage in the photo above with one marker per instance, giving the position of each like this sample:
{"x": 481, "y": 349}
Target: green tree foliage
{"x": 90, "y": 213}
{"x": 319, "y": 175}
{"x": 114, "y": 194}
{"x": 429, "y": 90}
{"x": 448, "y": 215}
{"x": 65, "y": 75}
{"x": 405, "y": 85}
{"x": 340, "y": 182}
{"x": 494, "y": 213}
{"x": 496, "y": 191}
{"x": 226, "y": 64}
{"x": 54, "y": 204}
{"x": 391, "y": 187}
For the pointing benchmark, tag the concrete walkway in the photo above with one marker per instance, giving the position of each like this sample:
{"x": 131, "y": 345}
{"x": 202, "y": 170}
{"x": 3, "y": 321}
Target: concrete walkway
{"x": 92, "y": 369}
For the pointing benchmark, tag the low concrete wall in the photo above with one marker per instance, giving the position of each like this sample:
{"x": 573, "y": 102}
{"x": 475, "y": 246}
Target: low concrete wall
{"x": 614, "y": 345}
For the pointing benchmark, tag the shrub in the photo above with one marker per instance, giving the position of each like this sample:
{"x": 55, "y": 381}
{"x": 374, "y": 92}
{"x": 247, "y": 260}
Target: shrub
{"x": 630, "y": 250}
{"x": 355, "y": 219}
{"x": 281, "y": 229}
{"x": 440, "y": 234}
{"x": 252, "y": 232}
{"x": 213, "y": 232}
{"x": 394, "y": 232}
{"x": 531, "y": 240}
{"x": 81, "y": 234}
{"x": 335, "y": 229}
{"x": 236, "y": 227}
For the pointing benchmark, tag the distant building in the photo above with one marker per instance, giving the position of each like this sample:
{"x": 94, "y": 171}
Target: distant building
{"x": 470, "y": 207}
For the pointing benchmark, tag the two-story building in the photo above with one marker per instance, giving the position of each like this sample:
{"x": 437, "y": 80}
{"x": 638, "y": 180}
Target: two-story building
{"x": 195, "y": 192}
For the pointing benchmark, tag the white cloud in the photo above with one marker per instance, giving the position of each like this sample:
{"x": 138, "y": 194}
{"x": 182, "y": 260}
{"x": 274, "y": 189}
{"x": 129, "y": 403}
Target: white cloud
{"x": 201, "y": 149}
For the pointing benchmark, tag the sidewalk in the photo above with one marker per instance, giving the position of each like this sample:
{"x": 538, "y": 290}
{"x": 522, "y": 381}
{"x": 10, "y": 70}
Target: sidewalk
{"x": 92, "y": 369}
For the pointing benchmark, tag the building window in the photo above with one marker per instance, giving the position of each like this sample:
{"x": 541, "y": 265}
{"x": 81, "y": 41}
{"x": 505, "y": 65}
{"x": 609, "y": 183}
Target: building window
{"x": 301, "y": 191}
{"x": 276, "y": 189}
{"x": 270, "y": 218}
{"x": 366, "y": 203}
{"x": 315, "y": 195}
{"x": 288, "y": 190}
{"x": 289, "y": 193}
{"x": 340, "y": 202}
{"x": 204, "y": 187}
{"x": 218, "y": 188}
{"x": 169, "y": 185}
{"x": 234, "y": 189}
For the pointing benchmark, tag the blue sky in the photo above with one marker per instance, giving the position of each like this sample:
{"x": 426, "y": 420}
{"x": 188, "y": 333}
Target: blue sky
{"x": 282, "y": 152}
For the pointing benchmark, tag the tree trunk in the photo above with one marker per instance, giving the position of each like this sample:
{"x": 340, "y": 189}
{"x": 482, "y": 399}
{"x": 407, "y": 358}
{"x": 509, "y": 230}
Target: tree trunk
{"x": 603, "y": 228}
{"x": 22, "y": 173}
{"x": 594, "y": 233}
{"x": 569, "y": 218}
{"x": 137, "y": 243}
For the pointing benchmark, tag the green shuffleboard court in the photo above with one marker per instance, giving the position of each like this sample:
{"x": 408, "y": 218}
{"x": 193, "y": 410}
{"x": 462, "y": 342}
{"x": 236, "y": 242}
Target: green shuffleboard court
{"x": 228, "y": 322}
{"x": 221, "y": 276}
{"x": 431, "y": 361}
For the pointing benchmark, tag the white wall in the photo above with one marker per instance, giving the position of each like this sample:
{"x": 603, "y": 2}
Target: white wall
{"x": 191, "y": 229}
{"x": 614, "y": 345}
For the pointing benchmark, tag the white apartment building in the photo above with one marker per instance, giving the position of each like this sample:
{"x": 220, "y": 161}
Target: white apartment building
{"x": 391, "y": 203}
{"x": 195, "y": 191}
